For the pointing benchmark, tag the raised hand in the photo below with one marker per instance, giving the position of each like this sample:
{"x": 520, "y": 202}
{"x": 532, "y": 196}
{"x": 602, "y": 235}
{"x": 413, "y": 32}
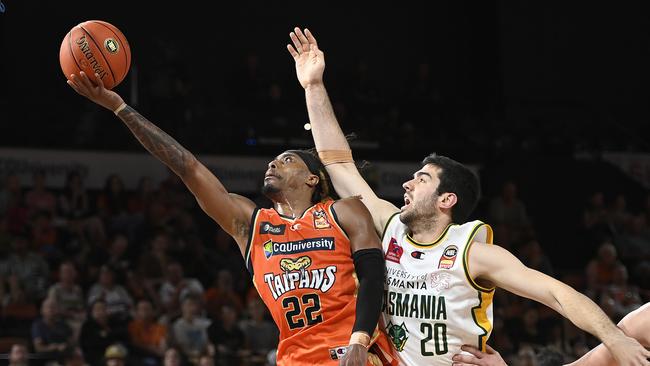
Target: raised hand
{"x": 310, "y": 60}
{"x": 478, "y": 358}
{"x": 628, "y": 352}
{"x": 96, "y": 93}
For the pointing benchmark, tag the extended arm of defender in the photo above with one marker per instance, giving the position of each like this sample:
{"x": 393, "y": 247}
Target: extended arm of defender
{"x": 369, "y": 266}
{"x": 348, "y": 182}
{"x": 232, "y": 212}
{"x": 499, "y": 267}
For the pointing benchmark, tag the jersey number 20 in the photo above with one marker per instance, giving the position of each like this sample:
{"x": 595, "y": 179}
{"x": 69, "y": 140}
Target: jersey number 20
{"x": 437, "y": 332}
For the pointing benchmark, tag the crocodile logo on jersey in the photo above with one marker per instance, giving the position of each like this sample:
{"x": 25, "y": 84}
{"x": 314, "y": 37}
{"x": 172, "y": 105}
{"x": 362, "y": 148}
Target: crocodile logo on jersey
{"x": 448, "y": 257}
{"x": 320, "y": 220}
{"x": 398, "y": 334}
{"x": 394, "y": 252}
{"x": 298, "y": 264}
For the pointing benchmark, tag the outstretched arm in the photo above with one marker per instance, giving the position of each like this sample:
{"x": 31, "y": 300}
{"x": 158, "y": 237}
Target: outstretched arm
{"x": 232, "y": 212}
{"x": 369, "y": 267}
{"x": 310, "y": 65}
{"x": 500, "y": 268}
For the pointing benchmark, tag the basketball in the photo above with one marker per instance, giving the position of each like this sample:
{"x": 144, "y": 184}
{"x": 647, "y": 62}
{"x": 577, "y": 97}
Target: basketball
{"x": 96, "y": 47}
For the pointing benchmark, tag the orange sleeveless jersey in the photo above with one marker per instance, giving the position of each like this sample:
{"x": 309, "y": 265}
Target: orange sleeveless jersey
{"x": 304, "y": 272}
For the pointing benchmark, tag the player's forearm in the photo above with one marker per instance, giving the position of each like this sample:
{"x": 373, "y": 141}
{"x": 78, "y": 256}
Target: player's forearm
{"x": 157, "y": 142}
{"x": 586, "y": 315}
{"x": 325, "y": 128}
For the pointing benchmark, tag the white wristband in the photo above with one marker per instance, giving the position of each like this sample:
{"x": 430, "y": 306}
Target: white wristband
{"x": 119, "y": 109}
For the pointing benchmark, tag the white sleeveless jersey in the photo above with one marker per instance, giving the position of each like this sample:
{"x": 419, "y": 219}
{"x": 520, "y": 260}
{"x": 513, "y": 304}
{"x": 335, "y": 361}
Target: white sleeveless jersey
{"x": 431, "y": 304}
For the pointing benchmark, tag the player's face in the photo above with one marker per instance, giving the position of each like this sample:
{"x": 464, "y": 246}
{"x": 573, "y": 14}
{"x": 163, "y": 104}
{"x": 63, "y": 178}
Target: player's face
{"x": 420, "y": 196}
{"x": 285, "y": 173}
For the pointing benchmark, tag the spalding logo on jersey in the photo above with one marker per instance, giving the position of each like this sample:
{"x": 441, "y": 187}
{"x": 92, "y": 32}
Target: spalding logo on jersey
{"x": 448, "y": 257}
{"x": 320, "y": 220}
{"x": 394, "y": 252}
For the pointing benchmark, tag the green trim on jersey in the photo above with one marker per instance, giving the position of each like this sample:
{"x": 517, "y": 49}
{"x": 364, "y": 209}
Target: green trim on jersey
{"x": 432, "y": 244}
{"x": 466, "y": 261}
{"x": 383, "y": 233}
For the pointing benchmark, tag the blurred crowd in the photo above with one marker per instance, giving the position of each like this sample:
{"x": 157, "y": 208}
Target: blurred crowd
{"x": 141, "y": 276}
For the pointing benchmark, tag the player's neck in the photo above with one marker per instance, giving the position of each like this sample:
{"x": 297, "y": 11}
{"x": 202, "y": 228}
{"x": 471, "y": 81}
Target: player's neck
{"x": 292, "y": 208}
{"x": 429, "y": 230}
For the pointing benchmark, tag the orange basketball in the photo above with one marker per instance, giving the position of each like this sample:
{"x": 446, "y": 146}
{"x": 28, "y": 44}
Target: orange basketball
{"x": 96, "y": 47}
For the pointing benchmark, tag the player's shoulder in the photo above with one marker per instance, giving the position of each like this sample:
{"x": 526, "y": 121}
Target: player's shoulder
{"x": 349, "y": 203}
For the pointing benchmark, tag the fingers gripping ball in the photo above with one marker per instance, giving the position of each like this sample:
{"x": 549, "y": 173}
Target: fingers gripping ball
{"x": 96, "y": 47}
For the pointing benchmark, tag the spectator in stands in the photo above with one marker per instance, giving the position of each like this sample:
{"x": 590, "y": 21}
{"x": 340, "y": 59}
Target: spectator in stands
{"x": 115, "y": 355}
{"x": 146, "y": 334}
{"x": 508, "y": 213}
{"x": 112, "y": 201}
{"x": 117, "y": 299}
{"x": 50, "y": 333}
{"x": 220, "y": 294}
{"x": 39, "y": 198}
{"x": 626, "y": 297}
{"x": 10, "y": 190}
{"x": 618, "y": 216}
{"x": 153, "y": 261}
{"x": 190, "y": 331}
{"x": 172, "y": 357}
{"x": 206, "y": 360}
{"x": 74, "y": 202}
{"x": 600, "y": 271}
{"x": 98, "y": 332}
{"x": 532, "y": 255}
{"x": 18, "y": 356}
{"x": 142, "y": 197}
{"x": 634, "y": 244}
{"x": 73, "y": 356}
{"x": 26, "y": 271}
{"x": 45, "y": 236}
{"x": 261, "y": 335}
{"x": 228, "y": 337}
{"x": 176, "y": 288}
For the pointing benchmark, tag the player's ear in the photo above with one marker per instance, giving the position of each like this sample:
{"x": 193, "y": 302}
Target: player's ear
{"x": 312, "y": 180}
{"x": 447, "y": 200}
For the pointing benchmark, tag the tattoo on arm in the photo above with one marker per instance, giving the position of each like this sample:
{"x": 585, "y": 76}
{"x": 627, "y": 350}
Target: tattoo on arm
{"x": 160, "y": 144}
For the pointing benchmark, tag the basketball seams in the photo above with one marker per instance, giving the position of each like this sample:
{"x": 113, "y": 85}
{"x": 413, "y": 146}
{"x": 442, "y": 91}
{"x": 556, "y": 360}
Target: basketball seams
{"x": 69, "y": 36}
{"x": 123, "y": 43}
{"x": 108, "y": 65}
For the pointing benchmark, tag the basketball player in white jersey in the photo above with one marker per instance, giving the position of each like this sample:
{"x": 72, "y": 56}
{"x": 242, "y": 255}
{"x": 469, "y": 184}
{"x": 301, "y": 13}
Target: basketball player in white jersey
{"x": 636, "y": 324}
{"x": 441, "y": 271}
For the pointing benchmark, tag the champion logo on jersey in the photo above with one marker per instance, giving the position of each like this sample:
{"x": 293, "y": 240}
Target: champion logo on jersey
{"x": 448, "y": 257}
{"x": 338, "y": 352}
{"x": 417, "y": 254}
{"x": 320, "y": 220}
{"x": 394, "y": 252}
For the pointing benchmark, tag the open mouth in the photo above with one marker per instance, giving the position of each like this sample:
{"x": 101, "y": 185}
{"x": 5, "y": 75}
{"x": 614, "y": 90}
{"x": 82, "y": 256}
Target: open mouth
{"x": 407, "y": 201}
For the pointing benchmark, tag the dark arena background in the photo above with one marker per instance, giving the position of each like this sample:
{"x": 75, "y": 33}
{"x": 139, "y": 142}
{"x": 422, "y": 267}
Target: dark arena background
{"x": 549, "y": 103}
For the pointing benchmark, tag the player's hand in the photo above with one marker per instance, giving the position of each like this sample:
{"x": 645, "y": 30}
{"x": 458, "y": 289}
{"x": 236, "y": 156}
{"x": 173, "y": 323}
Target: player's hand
{"x": 310, "y": 60}
{"x": 489, "y": 358}
{"x": 355, "y": 355}
{"x": 628, "y": 352}
{"x": 97, "y": 93}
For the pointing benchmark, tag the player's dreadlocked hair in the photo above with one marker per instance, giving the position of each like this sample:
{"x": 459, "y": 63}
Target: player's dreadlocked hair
{"x": 324, "y": 189}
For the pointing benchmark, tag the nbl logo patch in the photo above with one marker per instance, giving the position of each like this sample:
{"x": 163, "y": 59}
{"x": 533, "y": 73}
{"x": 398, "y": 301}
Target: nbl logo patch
{"x": 448, "y": 257}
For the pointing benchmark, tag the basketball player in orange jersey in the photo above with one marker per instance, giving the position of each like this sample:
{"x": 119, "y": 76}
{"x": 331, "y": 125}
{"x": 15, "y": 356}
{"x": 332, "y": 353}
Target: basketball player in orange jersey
{"x": 434, "y": 259}
{"x": 304, "y": 254}
{"x": 636, "y": 324}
